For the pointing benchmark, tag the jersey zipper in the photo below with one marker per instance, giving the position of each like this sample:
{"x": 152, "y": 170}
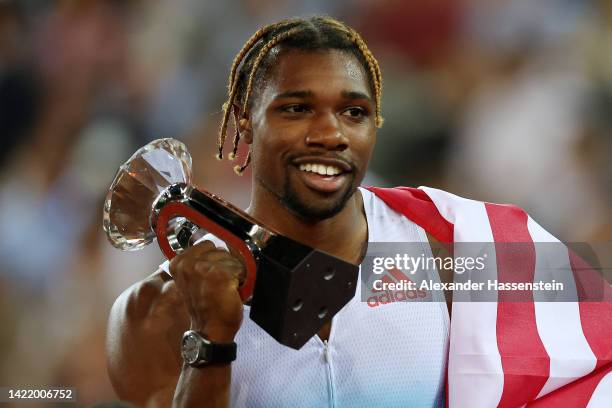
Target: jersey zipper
{"x": 330, "y": 383}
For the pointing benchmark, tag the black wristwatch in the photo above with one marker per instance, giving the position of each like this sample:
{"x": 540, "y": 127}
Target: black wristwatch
{"x": 198, "y": 350}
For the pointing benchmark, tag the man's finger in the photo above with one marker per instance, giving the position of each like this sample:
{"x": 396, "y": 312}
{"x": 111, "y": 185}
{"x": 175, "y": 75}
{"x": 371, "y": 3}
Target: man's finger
{"x": 193, "y": 253}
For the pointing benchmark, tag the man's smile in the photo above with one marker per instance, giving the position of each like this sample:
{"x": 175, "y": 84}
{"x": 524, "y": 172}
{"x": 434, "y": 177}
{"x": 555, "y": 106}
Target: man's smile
{"x": 324, "y": 184}
{"x": 322, "y": 174}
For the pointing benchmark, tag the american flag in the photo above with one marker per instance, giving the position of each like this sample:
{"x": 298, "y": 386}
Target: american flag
{"x": 516, "y": 354}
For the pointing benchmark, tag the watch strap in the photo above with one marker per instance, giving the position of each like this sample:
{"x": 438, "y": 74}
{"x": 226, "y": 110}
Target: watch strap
{"x": 221, "y": 352}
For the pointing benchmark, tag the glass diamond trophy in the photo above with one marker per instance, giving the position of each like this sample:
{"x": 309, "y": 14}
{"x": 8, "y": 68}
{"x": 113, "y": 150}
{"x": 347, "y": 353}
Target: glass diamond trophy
{"x": 293, "y": 289}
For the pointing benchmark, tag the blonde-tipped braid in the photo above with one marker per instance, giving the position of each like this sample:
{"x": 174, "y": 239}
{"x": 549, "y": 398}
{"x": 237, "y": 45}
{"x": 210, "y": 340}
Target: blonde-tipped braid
{"x": 249, "y": 90}
{"x": 228, "y": 106}
{"x": 232, "y": 87}
{"x": 240, "y": 169}
{"x": 374, "y": 73}
{"x": 262, "y": 53}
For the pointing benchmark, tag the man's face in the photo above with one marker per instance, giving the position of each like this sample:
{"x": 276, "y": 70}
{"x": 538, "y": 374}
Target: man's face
{"x": 313, "y": 131}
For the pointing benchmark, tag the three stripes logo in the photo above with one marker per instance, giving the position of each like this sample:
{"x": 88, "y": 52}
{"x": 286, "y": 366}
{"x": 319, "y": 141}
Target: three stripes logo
{"x": 383, "y": 297}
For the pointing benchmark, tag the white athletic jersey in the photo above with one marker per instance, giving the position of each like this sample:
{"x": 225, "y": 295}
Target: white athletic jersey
{"x": 378, "y": 355}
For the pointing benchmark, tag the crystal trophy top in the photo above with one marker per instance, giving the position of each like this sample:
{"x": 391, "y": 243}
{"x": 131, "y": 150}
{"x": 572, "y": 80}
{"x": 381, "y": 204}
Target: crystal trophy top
{"x": 138, "y": 183}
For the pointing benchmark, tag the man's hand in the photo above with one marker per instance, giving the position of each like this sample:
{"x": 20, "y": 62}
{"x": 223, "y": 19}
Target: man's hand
{"x": 148, "y": 320}
{"x": 208, "y": 278}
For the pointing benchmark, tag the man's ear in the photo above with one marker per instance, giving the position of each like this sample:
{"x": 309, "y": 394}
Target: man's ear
{"x": 244, "y": 124}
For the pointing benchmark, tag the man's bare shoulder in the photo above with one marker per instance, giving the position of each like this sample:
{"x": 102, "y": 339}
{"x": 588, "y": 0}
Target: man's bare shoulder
{"x": 136, "y": 302}
{"x": 145, "y": 327}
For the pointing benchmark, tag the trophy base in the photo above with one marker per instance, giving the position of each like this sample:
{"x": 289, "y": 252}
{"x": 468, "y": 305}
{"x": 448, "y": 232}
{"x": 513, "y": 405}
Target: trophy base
{"x": 294, "y": 300}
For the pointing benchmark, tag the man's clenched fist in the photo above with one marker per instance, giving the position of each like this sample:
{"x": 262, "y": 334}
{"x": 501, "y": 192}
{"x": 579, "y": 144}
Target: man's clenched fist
{"x": 208, "y": 278}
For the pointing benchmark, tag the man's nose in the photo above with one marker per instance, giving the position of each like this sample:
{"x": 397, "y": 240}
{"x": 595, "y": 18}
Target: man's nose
{"x": 326, "y": 132}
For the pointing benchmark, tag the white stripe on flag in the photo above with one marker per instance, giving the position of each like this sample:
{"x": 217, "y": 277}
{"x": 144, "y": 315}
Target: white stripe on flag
{"x": 558, "y": 320}
{"x": 475, "y": 374}
{"x": 602, "y": 396}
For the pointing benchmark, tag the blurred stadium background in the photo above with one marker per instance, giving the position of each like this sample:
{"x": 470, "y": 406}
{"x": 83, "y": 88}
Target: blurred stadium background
{"x": 503, "y": 101}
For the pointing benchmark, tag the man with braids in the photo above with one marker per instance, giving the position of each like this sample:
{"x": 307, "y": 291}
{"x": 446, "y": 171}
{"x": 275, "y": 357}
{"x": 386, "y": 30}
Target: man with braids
{"x": 305, "y": 97}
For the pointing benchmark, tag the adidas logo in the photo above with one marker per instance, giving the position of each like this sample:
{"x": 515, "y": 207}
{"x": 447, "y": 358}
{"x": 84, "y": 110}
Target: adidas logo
{"x": 383, "y": 297}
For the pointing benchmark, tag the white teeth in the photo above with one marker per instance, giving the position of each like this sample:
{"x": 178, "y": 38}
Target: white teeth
{"x": 321, "y": 169}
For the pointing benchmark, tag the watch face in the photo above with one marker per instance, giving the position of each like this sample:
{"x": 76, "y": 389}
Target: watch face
{"x": 190, "y": 348}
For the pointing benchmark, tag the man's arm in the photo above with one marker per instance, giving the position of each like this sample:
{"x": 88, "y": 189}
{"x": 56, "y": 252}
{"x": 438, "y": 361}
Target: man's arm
{"x": 148, "y": 320}
{"x": 143, "y": 341}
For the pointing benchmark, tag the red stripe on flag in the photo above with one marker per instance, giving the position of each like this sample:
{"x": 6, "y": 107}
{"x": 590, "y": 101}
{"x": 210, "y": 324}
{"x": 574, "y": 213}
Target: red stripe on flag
{"x": 525, "y": 363}
{"x": 418, "y": 207}
{"x": 595, "y": 308}
{"x": 576, "y": 394}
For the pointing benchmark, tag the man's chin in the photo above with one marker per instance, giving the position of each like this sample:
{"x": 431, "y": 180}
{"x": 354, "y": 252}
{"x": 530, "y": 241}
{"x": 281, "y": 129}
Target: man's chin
{"x": 310, "y": 213}
{"x": 317, "y": 209}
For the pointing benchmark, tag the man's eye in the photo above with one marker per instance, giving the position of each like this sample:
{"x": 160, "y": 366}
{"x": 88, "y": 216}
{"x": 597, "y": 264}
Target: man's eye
{"x": 295, "y": 109}
{"x": 354, "y": 112}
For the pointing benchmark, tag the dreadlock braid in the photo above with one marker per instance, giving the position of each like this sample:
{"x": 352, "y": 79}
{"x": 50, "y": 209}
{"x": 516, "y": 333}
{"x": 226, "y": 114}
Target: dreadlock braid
{"x": 374, "y": 72}
{"x": 260, "y": 56}
{"x": 232, "y": 86}
{"x": 315, "y": 33}
{"x": 240, "y": 169}
{"x": 262, "y": 53}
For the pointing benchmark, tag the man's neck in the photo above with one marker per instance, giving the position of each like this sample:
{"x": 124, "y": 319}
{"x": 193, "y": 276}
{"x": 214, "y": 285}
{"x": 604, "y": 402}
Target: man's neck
{"x": 342, "y": 235}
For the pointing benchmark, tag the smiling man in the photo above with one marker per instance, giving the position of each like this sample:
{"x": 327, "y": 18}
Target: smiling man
{"x": 305, "y": 96}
